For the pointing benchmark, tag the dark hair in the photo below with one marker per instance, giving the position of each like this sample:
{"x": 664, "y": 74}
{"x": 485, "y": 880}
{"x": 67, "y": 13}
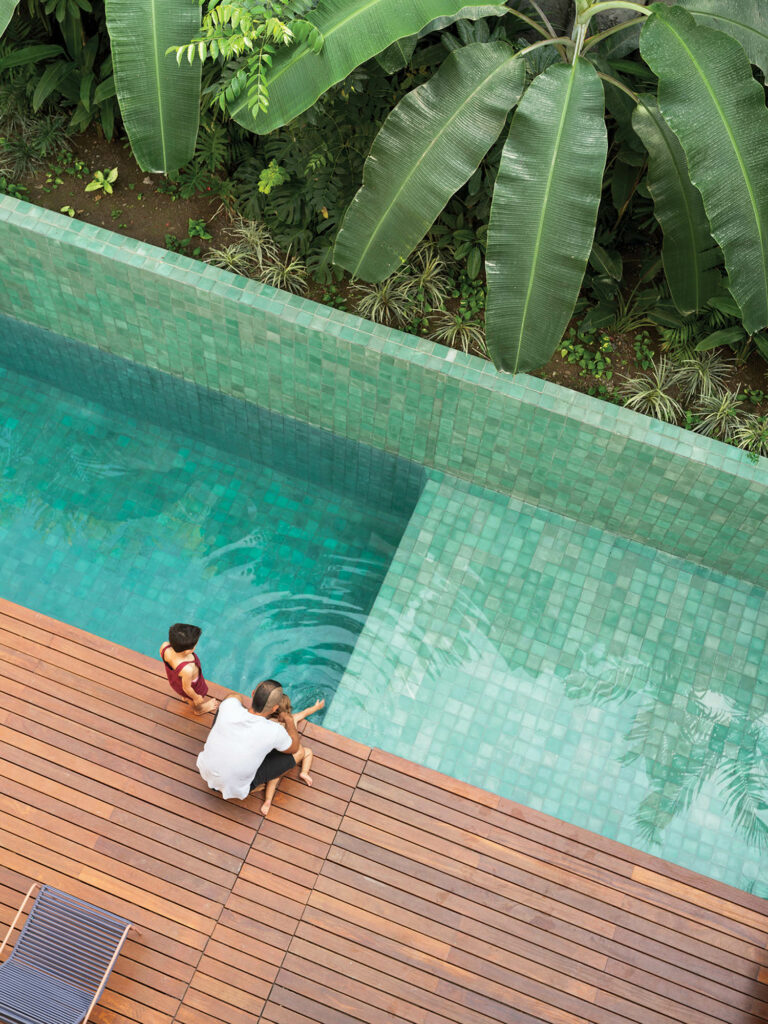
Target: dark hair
{"x": 183, "y": 637}
{"x": 266, "y": 694}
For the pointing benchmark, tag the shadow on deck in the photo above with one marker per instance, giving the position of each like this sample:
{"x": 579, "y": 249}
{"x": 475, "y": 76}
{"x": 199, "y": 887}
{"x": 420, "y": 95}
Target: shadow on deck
{"x": 388, "y": 893}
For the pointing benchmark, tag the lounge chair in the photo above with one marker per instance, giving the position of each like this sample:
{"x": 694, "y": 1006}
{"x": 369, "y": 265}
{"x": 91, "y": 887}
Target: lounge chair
{"x": 61, "y": 960}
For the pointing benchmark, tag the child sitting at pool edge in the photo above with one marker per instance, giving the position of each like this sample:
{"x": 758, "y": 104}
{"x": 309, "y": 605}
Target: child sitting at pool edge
{"x": 183, "y": 669}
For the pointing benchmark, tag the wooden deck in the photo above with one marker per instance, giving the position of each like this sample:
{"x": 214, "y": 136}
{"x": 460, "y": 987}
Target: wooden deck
{"x": 385, "y": 894}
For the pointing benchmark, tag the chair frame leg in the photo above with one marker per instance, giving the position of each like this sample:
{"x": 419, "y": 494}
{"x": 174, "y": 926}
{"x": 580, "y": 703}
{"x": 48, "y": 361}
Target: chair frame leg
{"x": 19, "y": 912}
{"x": 110, "y": 965}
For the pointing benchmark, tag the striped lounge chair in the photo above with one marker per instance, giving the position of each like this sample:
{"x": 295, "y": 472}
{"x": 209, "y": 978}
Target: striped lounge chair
{"x": 61, "y": 960}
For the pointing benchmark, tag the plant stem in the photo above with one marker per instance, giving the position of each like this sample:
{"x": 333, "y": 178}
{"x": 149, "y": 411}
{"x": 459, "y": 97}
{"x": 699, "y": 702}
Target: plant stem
{"x": 534, "y": 24}
{"x": 611, "y": 5}
{"x": 557, "y": 41}
{"x": 594, "y": 40}
{"x": 542, "y": 15}
{"x": 618, "y": 84}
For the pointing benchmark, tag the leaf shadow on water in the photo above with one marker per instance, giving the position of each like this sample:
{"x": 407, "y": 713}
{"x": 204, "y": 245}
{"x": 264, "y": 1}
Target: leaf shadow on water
{"x": 684, "y": 741}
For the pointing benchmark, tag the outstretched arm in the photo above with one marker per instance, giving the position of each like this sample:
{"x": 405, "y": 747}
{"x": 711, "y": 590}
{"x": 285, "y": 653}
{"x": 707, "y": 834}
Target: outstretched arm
{"x": 301, "y": 715}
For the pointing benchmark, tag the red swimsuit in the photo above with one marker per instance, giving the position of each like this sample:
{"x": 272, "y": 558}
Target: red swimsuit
{"x": 174, "y": 675}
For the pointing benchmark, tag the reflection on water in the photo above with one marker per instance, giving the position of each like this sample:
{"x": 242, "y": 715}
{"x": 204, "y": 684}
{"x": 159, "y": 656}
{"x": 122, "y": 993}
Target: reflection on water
{"x": 122, "y": 528}
{"x": 705, "y": 736}
{"x": 605, "y": 683}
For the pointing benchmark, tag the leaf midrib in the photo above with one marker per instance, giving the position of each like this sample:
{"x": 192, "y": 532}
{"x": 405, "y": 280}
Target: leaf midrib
{"x": 155, "y": 53}
{"x": 421, "y": 159}
{"x": 548, "y": 190}
{"x": 301, "y": 52}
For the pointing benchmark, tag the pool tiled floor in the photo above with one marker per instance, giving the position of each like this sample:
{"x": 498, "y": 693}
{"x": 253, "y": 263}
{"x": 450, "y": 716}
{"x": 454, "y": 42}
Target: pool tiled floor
{"x": 602, "y": 681}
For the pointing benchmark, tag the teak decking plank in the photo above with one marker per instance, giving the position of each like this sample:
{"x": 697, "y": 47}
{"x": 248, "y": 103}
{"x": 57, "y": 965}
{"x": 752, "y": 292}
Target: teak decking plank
{"x": 386, "y": 893}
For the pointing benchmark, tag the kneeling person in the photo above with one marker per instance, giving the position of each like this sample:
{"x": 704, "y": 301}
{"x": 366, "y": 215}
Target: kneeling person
{"x": 248, "y": 748}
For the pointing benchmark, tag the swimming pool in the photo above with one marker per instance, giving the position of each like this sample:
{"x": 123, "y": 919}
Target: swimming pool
{"x": 568, "y": 667}
{"x": 117, "y": 517}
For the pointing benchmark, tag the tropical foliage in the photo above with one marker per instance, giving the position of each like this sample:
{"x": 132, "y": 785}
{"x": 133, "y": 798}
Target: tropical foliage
{"x": 520, "y": 143}
{"x": 706, "y": 135}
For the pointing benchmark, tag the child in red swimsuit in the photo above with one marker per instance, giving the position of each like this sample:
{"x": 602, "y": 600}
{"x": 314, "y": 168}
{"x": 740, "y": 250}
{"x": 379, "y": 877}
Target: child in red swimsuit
{"x": 182, "y": 666}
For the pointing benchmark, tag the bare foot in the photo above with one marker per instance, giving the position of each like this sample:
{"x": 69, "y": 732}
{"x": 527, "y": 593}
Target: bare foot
{"x": 265, "y": 807}
{"x": 206, "y": 707}
{"x": 306, "y": 777}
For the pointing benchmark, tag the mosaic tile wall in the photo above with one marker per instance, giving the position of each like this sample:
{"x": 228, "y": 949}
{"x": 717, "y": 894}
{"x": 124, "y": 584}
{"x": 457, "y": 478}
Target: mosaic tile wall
{"x": 556, "y": 449}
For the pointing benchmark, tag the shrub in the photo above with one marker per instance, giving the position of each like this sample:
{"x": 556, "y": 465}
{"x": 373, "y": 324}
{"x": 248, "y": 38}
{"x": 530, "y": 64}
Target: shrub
{"x": 720, "y": 415}
{"x": 454, "y": 330}
{"x": 287, "y": 272}
{"x": 702, "y": 375}
{"x": 650, "y": 394}
{"x": 385, "y": 302}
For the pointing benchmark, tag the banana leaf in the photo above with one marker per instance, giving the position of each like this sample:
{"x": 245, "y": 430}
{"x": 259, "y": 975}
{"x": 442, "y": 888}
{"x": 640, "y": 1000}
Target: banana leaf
{"x": 7, "y": 7}
{"x": 397, "y": 55}
{"x": 465, "y": 14}
{"x": 159, "y": 100}
{"x": 745, "y": 20}
{"x": 29, "y": 55}
{"x": 689, "y": 252}
{"x": 717, "y": 110}
{"x": 543, "y": 214}
{"x": 353, "y": 31}
{"x": 427, "y": 148}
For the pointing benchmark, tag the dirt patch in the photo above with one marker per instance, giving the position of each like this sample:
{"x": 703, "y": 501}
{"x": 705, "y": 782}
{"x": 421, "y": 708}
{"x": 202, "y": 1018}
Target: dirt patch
{"x": 136, "y": 208}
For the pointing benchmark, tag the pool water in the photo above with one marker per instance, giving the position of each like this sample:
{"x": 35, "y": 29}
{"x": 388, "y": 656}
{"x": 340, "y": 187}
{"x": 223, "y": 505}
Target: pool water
{"x": 273, "y": 539}
{"x": 592, "y": 677}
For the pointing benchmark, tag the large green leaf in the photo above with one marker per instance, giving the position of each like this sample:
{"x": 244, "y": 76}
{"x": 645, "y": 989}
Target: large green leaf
{"x": 397, "y": 54}
{"x": 745, "y": 20}
{"x": 543, "y": 214}
{"x": 465, "y": 14}
{"x": 427, "y": 148}
{"x": 159, "y": 100}
{"x": 354, "y": 31}
{"x": 689, "y": 252}
{"x": 7, "y": 7}
{"x": 717, "y": 110}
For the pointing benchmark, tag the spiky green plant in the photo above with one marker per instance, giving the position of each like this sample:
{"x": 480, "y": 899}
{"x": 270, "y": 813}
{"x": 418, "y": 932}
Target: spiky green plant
{"x": 702, "y": 375}
{"x": 425, "y": 277}
{"x": 385, "y": 302}
{"x": 257, "y": 241}
{"x": 237, "y": 258}
{"x": 650, "y": 393}
{"x": 721, "y": 415}
{"x": 38, "y": 140}
{"x": 751, "y": 434}
{"x": 454, "y": 330}
{"x": 680, "y": 341}
{"x": 287, "y": 272}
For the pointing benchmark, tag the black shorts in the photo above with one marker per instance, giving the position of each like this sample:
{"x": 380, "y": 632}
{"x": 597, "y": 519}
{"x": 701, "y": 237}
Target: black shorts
{"x": 275, "y": 764}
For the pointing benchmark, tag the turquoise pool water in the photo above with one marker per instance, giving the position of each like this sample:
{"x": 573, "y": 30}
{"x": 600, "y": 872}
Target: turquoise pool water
{"x": 572, "y": 670}
{"x": 273, "y": 538}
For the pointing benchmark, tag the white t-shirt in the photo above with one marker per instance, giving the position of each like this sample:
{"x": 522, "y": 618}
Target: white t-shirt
{"x": 236, "y": 746}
